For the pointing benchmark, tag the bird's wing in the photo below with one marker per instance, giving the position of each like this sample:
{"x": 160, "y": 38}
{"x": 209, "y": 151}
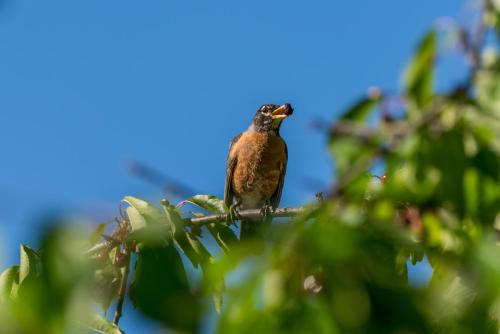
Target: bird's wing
{"x": 276, "y": 197}
{"x": 231, "y": 163}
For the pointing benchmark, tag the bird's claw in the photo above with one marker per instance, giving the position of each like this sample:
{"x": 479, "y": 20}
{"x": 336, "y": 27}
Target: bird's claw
{"x": 233, "y": 214}
{"x": 266, "y": 211}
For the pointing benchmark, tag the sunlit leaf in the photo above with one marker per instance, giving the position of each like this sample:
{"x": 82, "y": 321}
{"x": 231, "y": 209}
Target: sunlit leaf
{"x": 8, "y": 277}
{"x": 100, "y": 324}
{"x": 208, "y": 202}
{"x": 28, "y": 264}
{"x": 149, "y": 223}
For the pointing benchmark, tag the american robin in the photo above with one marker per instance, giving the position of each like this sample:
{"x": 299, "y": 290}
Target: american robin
{"x": 256, "y": 165}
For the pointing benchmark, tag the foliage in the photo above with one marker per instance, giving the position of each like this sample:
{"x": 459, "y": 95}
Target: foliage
{"x": 341, "y": 266}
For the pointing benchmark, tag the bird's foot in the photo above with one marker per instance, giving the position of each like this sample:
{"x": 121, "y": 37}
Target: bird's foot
{"x": 233, "y": 214}
{"x": 266, "y": 211}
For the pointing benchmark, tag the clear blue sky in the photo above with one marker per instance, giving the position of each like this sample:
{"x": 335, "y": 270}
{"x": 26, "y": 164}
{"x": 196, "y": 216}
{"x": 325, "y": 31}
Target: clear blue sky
{"x": 86, "y": 85}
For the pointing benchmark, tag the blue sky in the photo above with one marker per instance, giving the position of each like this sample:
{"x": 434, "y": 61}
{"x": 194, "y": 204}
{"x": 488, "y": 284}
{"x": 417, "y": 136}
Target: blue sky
{"x": 87, "y": 85}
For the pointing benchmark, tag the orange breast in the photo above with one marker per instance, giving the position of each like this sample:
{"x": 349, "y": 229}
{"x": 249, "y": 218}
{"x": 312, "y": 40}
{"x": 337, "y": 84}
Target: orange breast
{"x": 258, "y": 160}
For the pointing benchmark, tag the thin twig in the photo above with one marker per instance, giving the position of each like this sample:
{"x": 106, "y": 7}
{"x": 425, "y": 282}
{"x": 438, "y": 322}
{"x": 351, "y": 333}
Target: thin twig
{"x": 123, "y": 286}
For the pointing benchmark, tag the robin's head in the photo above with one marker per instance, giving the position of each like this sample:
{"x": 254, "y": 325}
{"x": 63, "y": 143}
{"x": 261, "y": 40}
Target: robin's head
{"x": 268, "y": 118}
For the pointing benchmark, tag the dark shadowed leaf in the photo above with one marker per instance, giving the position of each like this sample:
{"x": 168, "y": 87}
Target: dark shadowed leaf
{"x": 190, "y": 245}
{"x": 161, "y": 291}
{"x": 224, "y": 236}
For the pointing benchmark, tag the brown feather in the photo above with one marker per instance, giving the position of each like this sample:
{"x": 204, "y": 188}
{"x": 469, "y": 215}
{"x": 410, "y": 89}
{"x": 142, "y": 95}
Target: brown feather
{"x": 260, "y": 162}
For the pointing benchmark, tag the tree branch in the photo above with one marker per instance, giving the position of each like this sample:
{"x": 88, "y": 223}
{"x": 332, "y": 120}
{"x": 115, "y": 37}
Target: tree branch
{"x": 245, "y": 214}
{"x": 218, "y": 218}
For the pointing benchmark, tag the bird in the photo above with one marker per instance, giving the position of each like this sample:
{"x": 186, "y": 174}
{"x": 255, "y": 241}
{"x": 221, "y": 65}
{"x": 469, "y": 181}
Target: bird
{"x": 256, "y": 166}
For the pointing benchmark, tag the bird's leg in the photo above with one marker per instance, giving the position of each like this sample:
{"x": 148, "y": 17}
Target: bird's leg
{"x": 266, "y": 211}
{"x": 233, "y": 213}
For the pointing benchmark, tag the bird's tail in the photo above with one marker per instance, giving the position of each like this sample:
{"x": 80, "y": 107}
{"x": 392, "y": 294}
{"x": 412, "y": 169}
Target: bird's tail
{"x": 251, "y": 230}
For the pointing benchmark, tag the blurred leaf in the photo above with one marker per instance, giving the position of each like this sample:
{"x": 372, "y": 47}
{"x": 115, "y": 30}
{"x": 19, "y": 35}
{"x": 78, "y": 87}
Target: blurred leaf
{"x": 348, "y": 151}
{"x": 100, "y": 324}
{"x": 28, "y": 264}
{"x": 106, "y": 285}
{"x": 487, "y": 82}
{"x": 214, "y": 284}
{"x": 360, "y": 110}
{"x": 471, "y": 190}
{"x": 416, "y": 257}
{"x": 160, "y": 289}
{"x": 7, "y": 279}
{"x": 208, "y": 202}
{"x": 418, "y": 78}
{"x": 97, "y": 234}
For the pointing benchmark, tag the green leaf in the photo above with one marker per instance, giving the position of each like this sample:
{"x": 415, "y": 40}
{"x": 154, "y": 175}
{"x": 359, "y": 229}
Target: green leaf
{"x": 471, "y": 187}
{"x": 99, "y": 324}
{"x": 208, "y": 202}
{"x": 106, "y": 285}
{"x": 160, "y": 289}
{"x": 141, "y": 213}
{"x": 348, "y": 151}
{"x": 149, "y": 223}
{"x": 418, "y": 78}
{"x": 190, "y": 245}
{"x": 360, "y": 110}
{"x": 28, "y": 264}
{"x": 224, "y": 236}
{"x": 7, "y": 279}
{"x": 487, "y": 83}
{"x": 192, "y": 248}
{"x": 215, "y": 286}
{"x": 97, "y": 234}
{"x": 173, "y": 218}
{"x": 197, "y": 253}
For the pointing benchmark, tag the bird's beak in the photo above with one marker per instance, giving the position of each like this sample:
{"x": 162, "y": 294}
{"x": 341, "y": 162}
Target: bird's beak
{"x": 282, "y": 112}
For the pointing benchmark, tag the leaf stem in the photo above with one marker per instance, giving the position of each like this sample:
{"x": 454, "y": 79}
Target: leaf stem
{"x": 123, "y": 286}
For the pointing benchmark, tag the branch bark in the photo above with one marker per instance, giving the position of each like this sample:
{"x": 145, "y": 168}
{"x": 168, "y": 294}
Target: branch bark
{"x": 245, "y": 214}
